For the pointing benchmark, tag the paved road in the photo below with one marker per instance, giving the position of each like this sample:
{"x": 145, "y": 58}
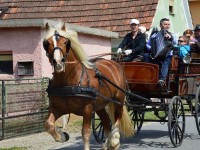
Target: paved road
{"x": 153, "y": 136}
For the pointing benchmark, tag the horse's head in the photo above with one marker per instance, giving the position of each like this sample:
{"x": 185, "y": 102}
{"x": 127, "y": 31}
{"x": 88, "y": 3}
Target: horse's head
{"x": 58, "y": 44}
{"x": 57, "y": 49}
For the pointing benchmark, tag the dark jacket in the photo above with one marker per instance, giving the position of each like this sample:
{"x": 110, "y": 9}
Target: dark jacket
{"x": 195, "y": 48}
{"x": 137, "y": 45}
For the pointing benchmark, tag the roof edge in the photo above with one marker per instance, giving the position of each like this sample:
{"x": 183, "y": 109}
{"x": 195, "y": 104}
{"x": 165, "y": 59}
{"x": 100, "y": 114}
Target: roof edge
{"x": 42, "y": 22}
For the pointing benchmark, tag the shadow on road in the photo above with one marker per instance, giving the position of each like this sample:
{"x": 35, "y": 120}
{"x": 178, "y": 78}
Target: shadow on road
{"x": 146, "y": 139}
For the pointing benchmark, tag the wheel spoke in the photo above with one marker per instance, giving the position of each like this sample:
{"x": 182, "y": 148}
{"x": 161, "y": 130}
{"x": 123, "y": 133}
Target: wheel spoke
{"x": 197, "y": 109}
{"x": 137, "y": 118}
{"x": 176, "y": 121}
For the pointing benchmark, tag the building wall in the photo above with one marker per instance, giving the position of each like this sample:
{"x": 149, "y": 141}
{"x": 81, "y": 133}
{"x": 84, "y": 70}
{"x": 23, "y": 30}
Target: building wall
{"x": 24, "y": 44}
{"x": 179, "y": 20}
{"x": 94, "y": 45}
{"x": 27, "y": 45}
{"x": 194, "y": 8}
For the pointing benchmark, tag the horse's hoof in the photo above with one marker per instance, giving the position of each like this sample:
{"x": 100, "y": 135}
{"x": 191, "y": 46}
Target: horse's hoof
{"x": 115, "y": 141}
{"x": 64, "y": 137}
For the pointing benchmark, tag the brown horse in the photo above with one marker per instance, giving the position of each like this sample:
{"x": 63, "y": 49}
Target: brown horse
{"x": 73, "y": 72}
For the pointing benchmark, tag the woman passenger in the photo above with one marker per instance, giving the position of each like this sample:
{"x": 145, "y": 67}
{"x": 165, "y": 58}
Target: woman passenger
{"x": 190, "y": 34}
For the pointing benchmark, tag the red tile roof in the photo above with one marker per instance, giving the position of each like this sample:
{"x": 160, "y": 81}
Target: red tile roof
{"x": 112, "y": 15}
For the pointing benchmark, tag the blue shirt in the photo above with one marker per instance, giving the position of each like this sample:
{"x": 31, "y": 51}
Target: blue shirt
{"x": 184, "y": 50}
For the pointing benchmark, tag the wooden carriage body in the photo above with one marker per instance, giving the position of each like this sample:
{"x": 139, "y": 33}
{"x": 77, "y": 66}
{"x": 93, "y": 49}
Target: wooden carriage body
{"x": 143, "y": 78}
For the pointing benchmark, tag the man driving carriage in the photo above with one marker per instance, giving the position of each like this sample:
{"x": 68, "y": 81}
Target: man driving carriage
{"x": 134, "y": 43}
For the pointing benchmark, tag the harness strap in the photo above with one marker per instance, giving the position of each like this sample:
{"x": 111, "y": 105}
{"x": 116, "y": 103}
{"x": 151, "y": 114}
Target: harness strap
{"x": 72, "y": 91}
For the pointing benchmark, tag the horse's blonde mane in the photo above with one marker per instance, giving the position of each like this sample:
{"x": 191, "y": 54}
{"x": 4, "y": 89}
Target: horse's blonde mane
{"x": 75, "y": 43}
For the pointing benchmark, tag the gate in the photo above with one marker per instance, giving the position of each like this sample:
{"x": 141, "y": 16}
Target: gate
{"x": 23, "y": 105}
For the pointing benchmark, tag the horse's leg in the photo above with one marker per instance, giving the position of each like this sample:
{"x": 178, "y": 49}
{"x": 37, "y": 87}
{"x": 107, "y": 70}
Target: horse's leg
{"x": 105, "y": 120}
{"x": 113, "y": 141}
{"x": 115, "y": 135}
{"x": 86, "y": 128}
{"x": 53, "y": 130}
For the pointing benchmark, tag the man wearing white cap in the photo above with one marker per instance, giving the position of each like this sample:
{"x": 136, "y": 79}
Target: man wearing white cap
{"x": 134, "y": 43}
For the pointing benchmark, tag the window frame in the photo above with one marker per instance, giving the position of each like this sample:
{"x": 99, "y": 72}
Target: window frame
{"x": 6, "y": 62}
{"x": 171, "y": 7}
{"x": 25, "y": 68}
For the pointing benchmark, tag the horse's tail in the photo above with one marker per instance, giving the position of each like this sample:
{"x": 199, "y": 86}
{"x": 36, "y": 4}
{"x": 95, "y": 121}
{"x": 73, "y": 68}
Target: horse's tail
{"x": 125, "y": 124}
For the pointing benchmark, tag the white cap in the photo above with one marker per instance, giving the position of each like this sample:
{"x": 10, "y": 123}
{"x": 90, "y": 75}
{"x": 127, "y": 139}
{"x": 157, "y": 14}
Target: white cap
{"x": 135, "y": 21}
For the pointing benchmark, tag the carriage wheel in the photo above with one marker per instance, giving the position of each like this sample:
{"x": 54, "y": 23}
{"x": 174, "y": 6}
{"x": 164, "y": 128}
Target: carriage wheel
{"x": 176, "y": 121}
{"x": 197, "y": 109}
{"x": 97, "y": 128}
{"x": 137, "y": 118}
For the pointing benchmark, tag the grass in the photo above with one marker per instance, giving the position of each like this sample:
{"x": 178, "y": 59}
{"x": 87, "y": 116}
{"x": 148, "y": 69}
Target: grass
{"x": 152, "y": 116}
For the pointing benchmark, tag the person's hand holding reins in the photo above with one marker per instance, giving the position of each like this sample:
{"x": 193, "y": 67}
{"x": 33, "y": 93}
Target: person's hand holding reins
{"x": 119, "y": 50}
{"x": 128, "y": 51}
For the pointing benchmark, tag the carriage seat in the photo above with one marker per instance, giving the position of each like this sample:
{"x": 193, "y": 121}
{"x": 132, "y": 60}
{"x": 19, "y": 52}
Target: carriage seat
{"x": 138, "y": 58}
{"x": 141, "y": 76}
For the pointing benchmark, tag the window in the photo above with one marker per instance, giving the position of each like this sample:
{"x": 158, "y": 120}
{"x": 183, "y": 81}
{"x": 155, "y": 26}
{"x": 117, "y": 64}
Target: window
{"x": 6, "y": 62}
{"x": 171, "y": 6}
{"x": 25, "y": 68}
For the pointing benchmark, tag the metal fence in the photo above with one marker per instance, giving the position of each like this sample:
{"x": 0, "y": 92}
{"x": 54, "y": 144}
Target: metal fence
{"x": 23, "y": 105}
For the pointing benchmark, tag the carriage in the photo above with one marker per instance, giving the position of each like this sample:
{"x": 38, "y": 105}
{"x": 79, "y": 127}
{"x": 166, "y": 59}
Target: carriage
{"x": 109, "y": 89}
{"x": 181, "y": 97}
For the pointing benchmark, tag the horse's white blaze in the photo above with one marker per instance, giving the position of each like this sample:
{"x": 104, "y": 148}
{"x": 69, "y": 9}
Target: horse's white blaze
{"x": 57, "y": 55}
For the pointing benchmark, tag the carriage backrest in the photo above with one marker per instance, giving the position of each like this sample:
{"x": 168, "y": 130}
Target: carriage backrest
{"x": 141, "y": 72}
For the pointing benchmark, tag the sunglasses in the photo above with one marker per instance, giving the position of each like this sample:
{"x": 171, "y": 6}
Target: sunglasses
{"x": 181, "y": 41}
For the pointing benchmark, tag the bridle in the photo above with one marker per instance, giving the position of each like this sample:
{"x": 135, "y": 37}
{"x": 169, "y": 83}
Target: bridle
{"x": 57, "y": 37}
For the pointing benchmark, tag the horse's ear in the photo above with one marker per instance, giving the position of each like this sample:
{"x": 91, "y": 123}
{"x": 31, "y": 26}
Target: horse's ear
{"x": 63, "y": 27}
{"x": 47, "y": 27}
{"x": 68, "y": 45}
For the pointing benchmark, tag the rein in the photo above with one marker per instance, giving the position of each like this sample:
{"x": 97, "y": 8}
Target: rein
{"x": 118, "y": 57}
{"x": 104, "y": 54}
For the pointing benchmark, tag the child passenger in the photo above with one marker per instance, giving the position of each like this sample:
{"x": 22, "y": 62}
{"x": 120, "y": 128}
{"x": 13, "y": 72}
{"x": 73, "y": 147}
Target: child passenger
{"x": 183, "y": 43}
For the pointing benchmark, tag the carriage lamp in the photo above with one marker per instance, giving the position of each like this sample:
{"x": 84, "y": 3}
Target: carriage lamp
{"x": 187, "y": 59}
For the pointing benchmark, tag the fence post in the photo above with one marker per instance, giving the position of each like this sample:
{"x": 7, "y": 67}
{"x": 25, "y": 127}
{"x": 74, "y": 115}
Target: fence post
{"x": 3, "y": 108}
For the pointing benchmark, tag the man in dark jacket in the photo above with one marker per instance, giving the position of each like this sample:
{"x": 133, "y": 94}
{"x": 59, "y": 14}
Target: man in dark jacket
{"x": 195, "y": 47}
{"x": 134, "y": 43}
{"x": 161, "y": 43}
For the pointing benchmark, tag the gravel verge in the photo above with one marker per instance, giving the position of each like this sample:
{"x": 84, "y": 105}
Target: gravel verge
{"x": 43, "y": 140}
{"x": 39, "y": 141}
